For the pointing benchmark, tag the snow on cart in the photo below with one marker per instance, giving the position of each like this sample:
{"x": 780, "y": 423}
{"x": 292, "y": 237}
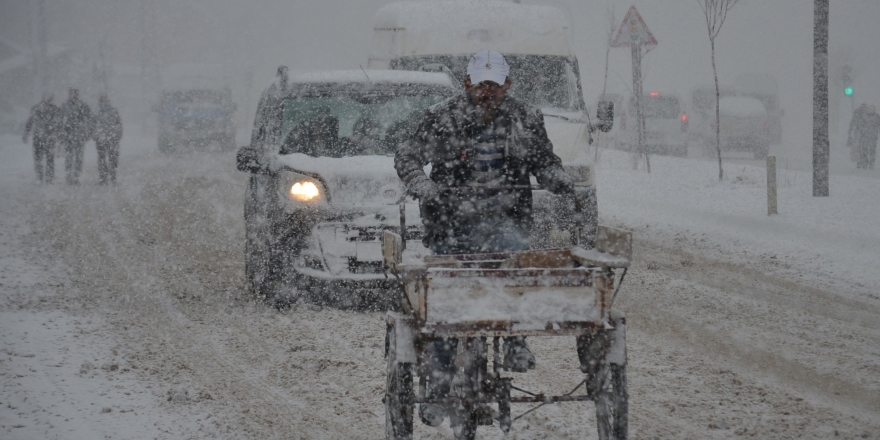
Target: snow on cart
{"x": 480, "y": 298}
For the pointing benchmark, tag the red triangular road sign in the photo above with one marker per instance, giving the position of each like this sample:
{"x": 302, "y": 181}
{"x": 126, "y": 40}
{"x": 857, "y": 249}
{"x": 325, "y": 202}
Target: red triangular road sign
{"x": 633, "y": 30}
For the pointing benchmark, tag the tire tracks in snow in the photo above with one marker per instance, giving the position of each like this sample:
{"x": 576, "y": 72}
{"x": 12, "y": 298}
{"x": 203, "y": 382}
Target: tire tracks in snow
{"x": 741, "y": 321}
{"x": 161, "y": 244}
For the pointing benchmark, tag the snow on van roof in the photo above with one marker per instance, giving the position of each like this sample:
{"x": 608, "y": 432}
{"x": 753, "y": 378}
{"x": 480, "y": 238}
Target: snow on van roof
{"x": 741, "y": 106}
{"x": 373, "y": 76}
{"x": 466, "y": 27}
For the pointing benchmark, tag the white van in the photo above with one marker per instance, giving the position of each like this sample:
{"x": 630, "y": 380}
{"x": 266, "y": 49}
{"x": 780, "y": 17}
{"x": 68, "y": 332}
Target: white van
{"x": 535, "y": 40}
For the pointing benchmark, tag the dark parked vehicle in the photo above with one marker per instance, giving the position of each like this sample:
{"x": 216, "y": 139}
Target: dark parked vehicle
{"x": 666, "y": 124}
{"x": 197, "y": 116}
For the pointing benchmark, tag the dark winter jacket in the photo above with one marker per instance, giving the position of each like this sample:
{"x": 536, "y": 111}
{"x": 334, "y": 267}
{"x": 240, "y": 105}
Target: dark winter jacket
{"x": 44, "y": 121}
{"x": 77, "y": 124}
{"x": 446, "y": 140}
{"x": 108, "y": 125}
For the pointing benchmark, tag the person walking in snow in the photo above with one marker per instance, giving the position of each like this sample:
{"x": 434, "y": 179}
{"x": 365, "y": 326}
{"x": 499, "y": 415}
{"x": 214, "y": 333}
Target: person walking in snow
{"x": 864, "y": 129}
{"x": 108, "y": 133}
{"x": 76, "y": 129}
{"x": 482, "y": 146}
{"x": 43, "y": 122}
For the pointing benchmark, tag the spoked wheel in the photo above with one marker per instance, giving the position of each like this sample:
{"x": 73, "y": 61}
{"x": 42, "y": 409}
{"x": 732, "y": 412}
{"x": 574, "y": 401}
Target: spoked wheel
{"x": 398, "y": 392}
{"x": 612, "y": 407}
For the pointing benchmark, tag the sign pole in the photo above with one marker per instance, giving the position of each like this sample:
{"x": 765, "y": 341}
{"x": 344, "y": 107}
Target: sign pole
{"x": 640, "y": 110}
{"x": 639, "y": 36}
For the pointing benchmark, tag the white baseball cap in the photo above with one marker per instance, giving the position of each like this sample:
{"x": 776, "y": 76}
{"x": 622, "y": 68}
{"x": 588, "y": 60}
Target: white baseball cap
{"x": 488, "y": 65}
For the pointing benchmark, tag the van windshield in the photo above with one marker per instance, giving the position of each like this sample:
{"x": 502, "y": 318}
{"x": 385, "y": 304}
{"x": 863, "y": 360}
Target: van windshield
{"x": 541, "y": 80}
{"x": 352, "y": 120}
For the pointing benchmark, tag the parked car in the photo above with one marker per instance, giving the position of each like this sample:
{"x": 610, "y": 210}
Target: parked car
{"x": 666, "y": 125}
{"x": 195, "y": 107}
{"x": 763, "y": 87}
{"x": 745, "y": 126}
{"x": 196, "y": 116}
{"x": 758, "y": 86}
{"x": 323, "y": 187}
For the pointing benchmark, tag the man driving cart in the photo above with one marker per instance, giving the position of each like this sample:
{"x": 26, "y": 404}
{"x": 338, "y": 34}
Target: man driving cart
{"x": 483, "y": 146}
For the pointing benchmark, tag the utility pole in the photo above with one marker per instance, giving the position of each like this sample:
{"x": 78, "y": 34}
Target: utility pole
{"x": 820, "y": 99}
{"x": 39, "y": 41}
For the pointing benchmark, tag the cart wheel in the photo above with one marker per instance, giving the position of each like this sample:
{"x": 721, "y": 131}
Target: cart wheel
{"x": 612, "y": 407}
{"x": 398, "y": 392}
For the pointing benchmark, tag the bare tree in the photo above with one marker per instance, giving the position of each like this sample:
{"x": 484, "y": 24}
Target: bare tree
{"x": 716, "y": 12}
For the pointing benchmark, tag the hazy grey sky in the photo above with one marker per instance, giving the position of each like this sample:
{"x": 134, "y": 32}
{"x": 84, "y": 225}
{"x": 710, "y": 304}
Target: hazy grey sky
{"x": 772, "y": 36}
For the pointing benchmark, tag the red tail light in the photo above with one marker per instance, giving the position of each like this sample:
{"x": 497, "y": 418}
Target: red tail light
{"x": 684, "y": 123}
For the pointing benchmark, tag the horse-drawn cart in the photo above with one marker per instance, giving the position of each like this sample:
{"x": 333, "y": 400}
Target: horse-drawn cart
{"x": 480, "y": 298}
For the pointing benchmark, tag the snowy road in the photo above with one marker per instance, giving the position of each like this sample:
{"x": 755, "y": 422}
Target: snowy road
{"x": 123, "y": 315}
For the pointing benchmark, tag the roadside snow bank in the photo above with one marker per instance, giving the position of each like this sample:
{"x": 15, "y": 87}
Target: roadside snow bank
{"x": 831, "y": 241}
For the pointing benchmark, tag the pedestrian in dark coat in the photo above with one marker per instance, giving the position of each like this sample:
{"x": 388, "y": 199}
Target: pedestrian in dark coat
{"x": 108, "y": 133}
{"x": 43, "y": 122}
{"x": 864, "y": 129}
{"x": 482, "y": 146}
{"x": 76, "y": 129}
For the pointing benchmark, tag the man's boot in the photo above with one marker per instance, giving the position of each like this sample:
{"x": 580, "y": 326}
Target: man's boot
{"x": 517, "y": 356}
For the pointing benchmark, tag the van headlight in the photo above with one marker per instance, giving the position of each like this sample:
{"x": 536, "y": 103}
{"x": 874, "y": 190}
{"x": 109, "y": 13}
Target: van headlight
{"x": 298, "y": 191}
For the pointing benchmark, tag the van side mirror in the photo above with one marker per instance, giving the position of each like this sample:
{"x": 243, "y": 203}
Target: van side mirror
{"x": 605, "y": 114}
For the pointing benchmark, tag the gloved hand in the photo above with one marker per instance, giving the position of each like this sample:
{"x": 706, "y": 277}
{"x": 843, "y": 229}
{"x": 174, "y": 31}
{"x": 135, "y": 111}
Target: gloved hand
{"x": 423, "y": 188}
{"x": 558, "y": 181}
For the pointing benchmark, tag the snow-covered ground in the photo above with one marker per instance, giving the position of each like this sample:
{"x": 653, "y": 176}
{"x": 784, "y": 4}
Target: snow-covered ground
{"x": 123, "y": 313}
